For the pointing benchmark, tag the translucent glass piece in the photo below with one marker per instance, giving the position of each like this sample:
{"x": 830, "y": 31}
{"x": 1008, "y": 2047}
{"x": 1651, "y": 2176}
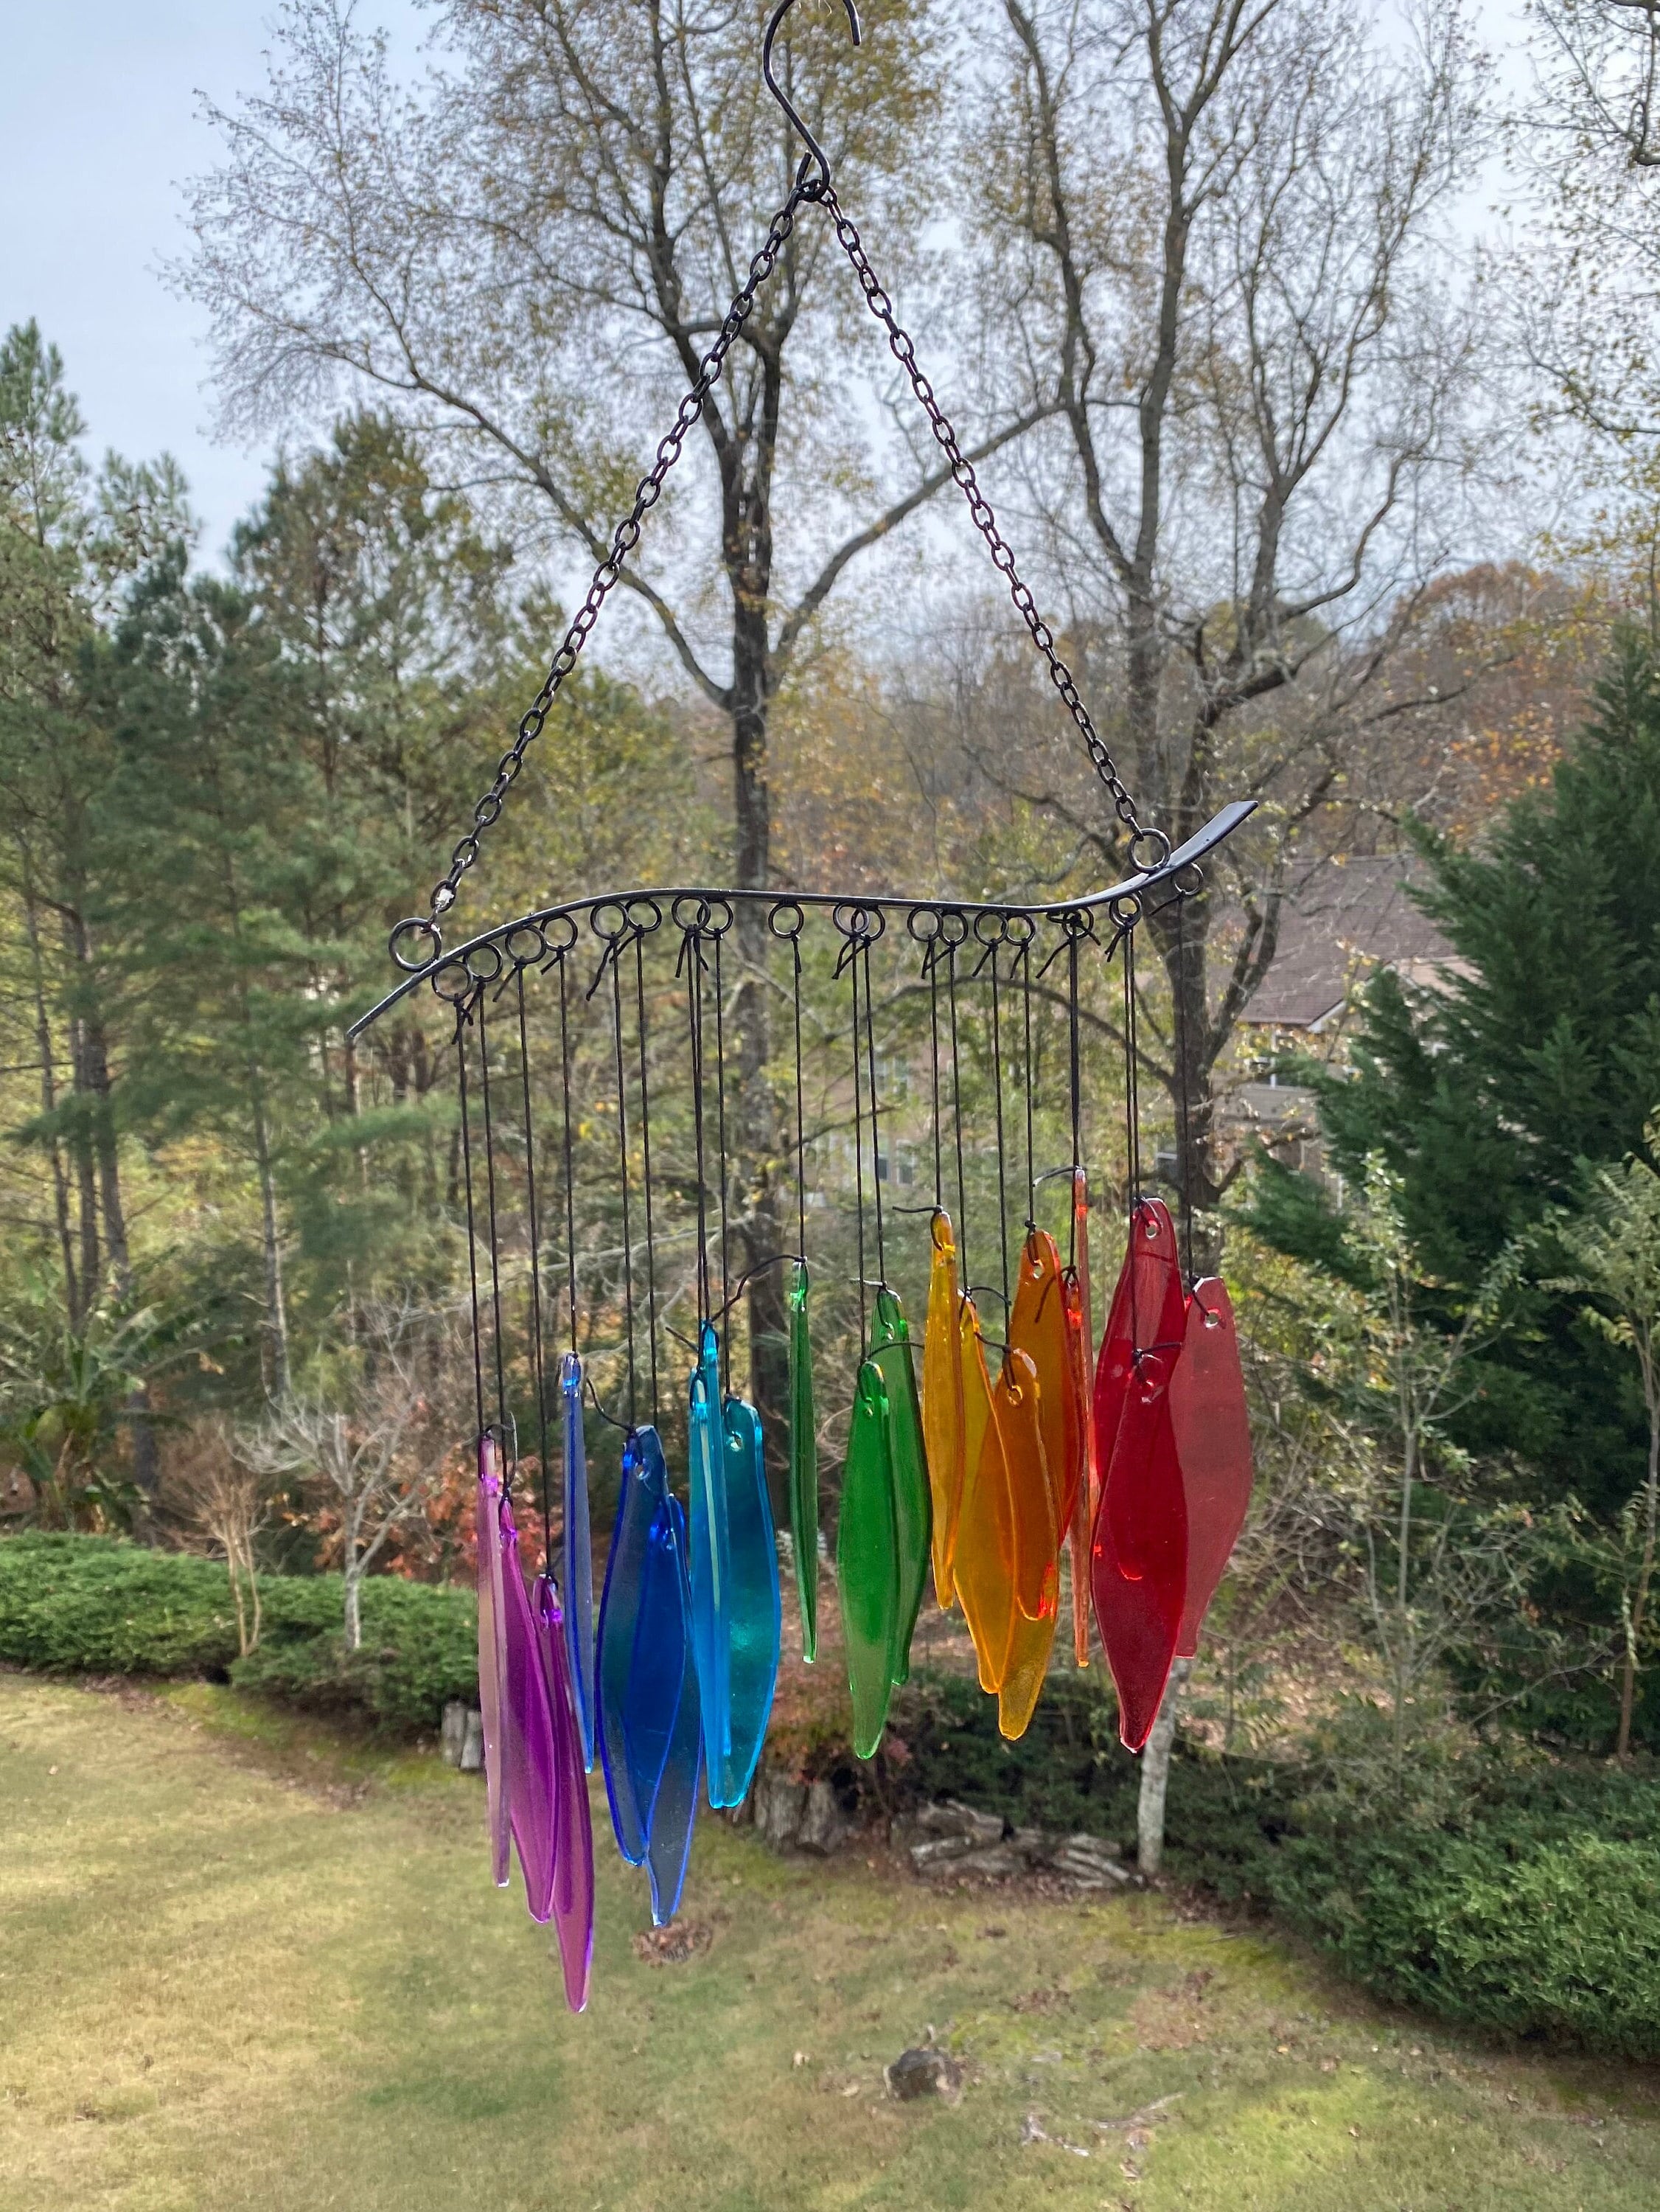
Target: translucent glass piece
{"x": 1211, "y": 1432}
{"x": 750, "y": 1617}
{"x": 573, "y": 1832}
{"x": 913, "y": 1507}
{"x": 1147, "y": 1308}
{"x": 530, "y": 1763}
{"x": 803, "y": 1466}
{"x": 984, "y": 1567}
{"x": 627, "y": 1624}
{"x": 1017, "y": 1405}
{"x": 710, "y": 1572}
{"x": 1037, "y": 1327}
{"x": 674, "y": 1807}
{"x": 867, "y": 1560}
{"x": 492, "y": 1651}
{"x": 649, "y": 1731}
{"x": 579, "y": 1570}
{"x": 1080, "y": 1341}
{"x": 942, "y": 1405}
{"x": 1139, "y": 1568}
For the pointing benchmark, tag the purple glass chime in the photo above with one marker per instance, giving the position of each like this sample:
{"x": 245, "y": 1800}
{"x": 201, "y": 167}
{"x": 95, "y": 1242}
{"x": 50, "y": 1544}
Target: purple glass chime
{"x": 537, "y": 1788}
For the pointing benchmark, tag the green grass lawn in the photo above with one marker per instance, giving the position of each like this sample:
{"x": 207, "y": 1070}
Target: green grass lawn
{"x": 245, "y": 1964}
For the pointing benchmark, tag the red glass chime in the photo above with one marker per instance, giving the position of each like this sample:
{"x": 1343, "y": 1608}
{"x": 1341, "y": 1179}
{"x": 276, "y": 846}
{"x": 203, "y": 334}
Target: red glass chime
{"x": 1174, "y": 1443}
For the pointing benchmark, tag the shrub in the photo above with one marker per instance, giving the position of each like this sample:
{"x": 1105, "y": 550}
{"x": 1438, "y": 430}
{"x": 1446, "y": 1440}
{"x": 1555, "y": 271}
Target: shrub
{"x": 419, "y": 1650}
{"x": 95, "y": 1605}
{"x": 1534, "y": 1908}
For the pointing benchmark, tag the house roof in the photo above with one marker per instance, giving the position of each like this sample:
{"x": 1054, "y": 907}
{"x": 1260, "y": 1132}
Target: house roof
{"x": 1351, "y": 916}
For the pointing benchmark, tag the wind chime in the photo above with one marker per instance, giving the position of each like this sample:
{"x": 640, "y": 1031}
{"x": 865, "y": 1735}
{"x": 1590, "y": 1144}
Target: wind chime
{"x": 1134, "y": 1457}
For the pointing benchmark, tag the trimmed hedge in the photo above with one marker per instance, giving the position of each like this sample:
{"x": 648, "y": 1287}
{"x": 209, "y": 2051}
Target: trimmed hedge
{"x": 1532, "y": 1906}
{"x": 1503, "y": 1889}
{"x": 96, "y": 1605}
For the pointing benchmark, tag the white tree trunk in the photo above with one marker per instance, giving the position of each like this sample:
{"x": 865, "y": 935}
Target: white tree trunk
{"x": 1155, "y": 1774}
{"x": 354, "y": 1604}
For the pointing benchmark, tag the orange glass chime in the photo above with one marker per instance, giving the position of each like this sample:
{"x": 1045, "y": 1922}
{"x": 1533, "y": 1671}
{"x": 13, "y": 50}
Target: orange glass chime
{"x": 1145, "y": 1479}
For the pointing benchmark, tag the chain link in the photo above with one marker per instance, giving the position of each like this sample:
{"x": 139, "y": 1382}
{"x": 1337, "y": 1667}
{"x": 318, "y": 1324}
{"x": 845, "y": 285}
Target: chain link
{"x": 626, "y": 537}
{"x": 979, "y": 509}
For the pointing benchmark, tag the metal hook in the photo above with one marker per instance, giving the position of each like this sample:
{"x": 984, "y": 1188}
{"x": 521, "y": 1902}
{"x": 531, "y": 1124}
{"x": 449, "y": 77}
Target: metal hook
{"x": 815, "y": 151}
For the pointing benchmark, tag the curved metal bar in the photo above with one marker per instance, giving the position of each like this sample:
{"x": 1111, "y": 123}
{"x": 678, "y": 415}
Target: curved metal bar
{"x": 621, "y": 904}
{"x": 815, "y": 151}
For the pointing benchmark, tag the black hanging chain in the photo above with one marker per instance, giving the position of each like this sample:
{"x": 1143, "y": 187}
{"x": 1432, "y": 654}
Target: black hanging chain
{"x": 606, "y": 575}
{"x": 425, "y": 931}
{"x": 986, "y": 521}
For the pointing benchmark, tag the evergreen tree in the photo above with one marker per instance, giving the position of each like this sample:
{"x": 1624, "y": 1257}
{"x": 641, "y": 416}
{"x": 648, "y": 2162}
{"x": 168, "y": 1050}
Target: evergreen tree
{"x": 1492, "y": 1095}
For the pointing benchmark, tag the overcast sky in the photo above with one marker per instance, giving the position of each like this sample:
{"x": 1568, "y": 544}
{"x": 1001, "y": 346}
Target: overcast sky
{"x": 99, "y": 123}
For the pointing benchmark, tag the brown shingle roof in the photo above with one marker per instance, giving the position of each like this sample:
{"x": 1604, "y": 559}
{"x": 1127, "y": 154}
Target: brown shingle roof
{"x": 1352, "y": 916}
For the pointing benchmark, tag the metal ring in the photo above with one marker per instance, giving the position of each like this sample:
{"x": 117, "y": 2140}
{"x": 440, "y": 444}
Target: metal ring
{"x": 1192, "y": 890}
{"x": 480, "y": 953}
{"x": 775, "y": 914}
{"x": 600, "y": 929}
{"x": 854, "y": 919}
{"x": 557, "y": 950}
{"x": 721, "y": 915}
{"x": 1126, "y": 911}
{"x": 953, "y": 926}
{"x": 998, "y": 925}
{"x": 690, "y": 912}
{"x": 1014, "y": 924}
{"x": 457, "y": 970}
{"x": 644, "y": 915}
{"x": 532, "y": 958}
{"x": 920, "y": 913}
{"x": 416, "y": 925}
{"x": 1150, "y": 836}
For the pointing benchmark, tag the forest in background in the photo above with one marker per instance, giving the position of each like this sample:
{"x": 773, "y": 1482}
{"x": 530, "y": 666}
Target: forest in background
{"x": 1289, "y": 566}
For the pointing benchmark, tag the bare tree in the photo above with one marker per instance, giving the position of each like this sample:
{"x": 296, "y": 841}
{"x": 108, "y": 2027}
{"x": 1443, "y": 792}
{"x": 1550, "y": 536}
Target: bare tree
{"x": 1587, "y": 271}
{"x": 226, "y": 1501}
{"x": 1215, "y": 225}
{"x": 370, "y": 1448}
{"x": 530, "y": 261}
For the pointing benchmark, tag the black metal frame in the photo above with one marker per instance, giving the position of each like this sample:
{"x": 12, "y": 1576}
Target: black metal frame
{"x": 465, "y": 966}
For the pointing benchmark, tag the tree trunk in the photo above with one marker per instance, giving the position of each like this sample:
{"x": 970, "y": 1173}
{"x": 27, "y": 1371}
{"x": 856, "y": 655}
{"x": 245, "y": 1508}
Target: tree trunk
{"x": 748, "y": 547}
{"x": 354, "y": 1597}
{"x": 276, "y": 1319}
{"x": 1181, "y": 933}
{"x": 1155, "y": 1774}
{"x": 1645, "y": 1576}
{"x": 60, "y": 1187}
